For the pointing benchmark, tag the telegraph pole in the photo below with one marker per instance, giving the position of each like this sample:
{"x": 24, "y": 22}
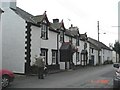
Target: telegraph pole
{"x": 98, "y": 41}
{"x": 98, "y": 30}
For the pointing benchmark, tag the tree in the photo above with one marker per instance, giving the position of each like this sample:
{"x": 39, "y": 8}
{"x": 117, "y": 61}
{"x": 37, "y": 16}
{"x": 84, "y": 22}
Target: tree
{"x": 116, "y": 48}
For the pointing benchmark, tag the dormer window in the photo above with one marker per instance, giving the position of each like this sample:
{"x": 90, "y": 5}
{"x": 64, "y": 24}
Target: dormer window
{"x": 44, "y": 32}
{"x": 61, "y": 36}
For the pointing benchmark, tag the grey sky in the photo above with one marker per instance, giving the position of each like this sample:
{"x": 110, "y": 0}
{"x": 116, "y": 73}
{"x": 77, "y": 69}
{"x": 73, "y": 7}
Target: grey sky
{"x": 81, "y": 13}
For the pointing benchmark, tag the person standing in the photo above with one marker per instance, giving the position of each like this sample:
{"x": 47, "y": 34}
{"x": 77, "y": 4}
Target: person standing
{"x": 40, "y": 65}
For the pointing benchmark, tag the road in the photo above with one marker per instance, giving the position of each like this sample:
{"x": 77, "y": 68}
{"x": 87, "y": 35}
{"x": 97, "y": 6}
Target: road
{"x": 87, "y": 77}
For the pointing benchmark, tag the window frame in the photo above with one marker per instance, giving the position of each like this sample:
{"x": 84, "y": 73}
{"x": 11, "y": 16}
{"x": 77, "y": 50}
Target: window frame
{"x": 44, "y": 31}
{"x": 77, "y": 41}
{"x": 61, "y": 36}
{"x": 55, "y": 58}
{"x": 77, "y": 56}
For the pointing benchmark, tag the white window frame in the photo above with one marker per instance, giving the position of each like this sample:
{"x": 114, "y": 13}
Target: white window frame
{"x": 54, "y": 57}
{"x": 44, "y": 29}
{"x": 77, "y": 56}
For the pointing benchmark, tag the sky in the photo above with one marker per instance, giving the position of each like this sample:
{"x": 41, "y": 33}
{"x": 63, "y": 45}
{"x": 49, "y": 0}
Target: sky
{"x": 81, "y": 13}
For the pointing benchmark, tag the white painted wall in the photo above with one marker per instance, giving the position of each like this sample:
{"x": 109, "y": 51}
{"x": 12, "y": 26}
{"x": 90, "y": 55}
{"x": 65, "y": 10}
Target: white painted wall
{"x": 95, "y": 54}
{"x": 38, "y": 43}
{"x": 35, "y": 42}
{"x": 88, "y": 49}
{"x": 74, "y": 55}
{"x": 13, "y": 41}
{"x": 107, "y": 55}
{"x": 114, "y": 56}
{"x": 50, "y": 44}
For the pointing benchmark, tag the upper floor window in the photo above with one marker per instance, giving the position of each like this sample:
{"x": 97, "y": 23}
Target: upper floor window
{"x": 61, "y": 36}
{"x": 44, "y": 32}
{"x": 103, "y": 51}
{"x": 77, "y": 41}
{"x": 85, "y": 45}
{"x": 77, "y": 56}
{"x": 92, "y": 50}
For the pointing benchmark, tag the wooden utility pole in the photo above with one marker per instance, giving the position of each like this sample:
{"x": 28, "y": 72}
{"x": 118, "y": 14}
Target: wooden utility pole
{"x": 98, "y": 44}
{"x": 98, "y": 30}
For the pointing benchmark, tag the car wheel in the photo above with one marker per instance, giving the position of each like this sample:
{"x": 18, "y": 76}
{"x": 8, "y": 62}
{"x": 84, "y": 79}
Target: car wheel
{"x": 5, "y": 81}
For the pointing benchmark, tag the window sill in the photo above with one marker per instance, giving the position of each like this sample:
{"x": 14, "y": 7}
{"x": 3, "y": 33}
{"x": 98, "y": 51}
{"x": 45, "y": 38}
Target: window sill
{"x": 44, "y": 38}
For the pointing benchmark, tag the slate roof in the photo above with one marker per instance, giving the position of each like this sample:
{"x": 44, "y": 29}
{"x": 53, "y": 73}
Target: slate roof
{"x": 55, "y": 25}
{"x": 97, "y": 45}
{"x": 40, "y": 18}
{"x": 25, "y": 15}
{"x": 83, "y": 36}
{"x": 69, "y": 33}
{"x": 74, "y": 30}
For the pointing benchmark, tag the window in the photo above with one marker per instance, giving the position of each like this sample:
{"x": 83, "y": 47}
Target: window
{"x": 77, "y": 41}
{"x": 85, "y": 45}
{"x": 44, "y": 53}
{"x": 77, "y": 57}
{"x": 92, "y": 50}
{"x": 61, "y": 36}
{"x": 103, "y": 51}
{"x": 44, "y": 32}
{"x": 54, "y": 56}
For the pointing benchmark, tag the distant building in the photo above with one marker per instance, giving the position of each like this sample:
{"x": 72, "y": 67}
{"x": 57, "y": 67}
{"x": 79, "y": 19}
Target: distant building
{"x": 105, "y": 53}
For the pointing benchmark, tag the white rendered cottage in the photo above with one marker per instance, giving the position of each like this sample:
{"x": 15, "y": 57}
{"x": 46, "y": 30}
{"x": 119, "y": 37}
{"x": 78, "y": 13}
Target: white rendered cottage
{"x": 105, "y": 53}
{"x": 44, "y": 40}
{"x": 16, "y": 27}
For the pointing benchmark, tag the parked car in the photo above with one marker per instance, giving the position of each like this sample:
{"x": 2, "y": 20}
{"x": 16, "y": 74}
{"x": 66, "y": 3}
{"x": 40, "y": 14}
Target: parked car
{"x": 7, "y": 76}
{"x": 116, "y": 80}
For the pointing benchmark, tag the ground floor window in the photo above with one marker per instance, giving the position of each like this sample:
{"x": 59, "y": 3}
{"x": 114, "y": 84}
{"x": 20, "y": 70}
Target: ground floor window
{"x": 44, "y": 53}
{"x": 54, "y": 56}
{"x": 77, "y": 57}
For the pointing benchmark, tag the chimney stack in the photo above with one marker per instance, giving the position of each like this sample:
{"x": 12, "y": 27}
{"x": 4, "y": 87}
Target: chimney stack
{"x": 55, "y": 20}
